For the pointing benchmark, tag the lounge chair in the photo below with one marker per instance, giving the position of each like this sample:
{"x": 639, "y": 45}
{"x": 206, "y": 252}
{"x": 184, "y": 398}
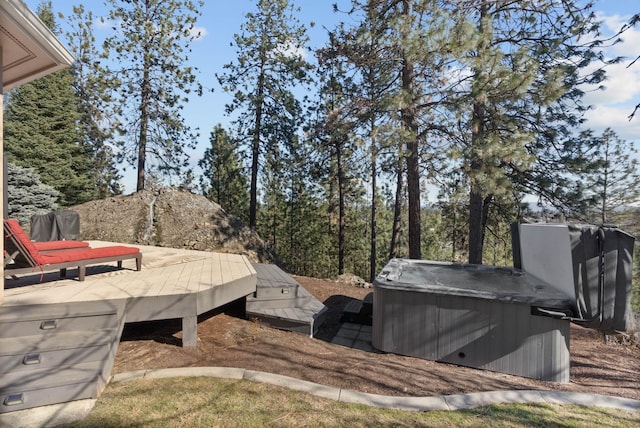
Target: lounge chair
{"x": 38, "y": 261}
{"x": 15, "y": 258}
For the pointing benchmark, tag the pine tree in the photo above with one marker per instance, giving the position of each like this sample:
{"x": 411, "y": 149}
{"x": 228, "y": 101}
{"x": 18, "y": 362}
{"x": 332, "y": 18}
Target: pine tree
{"x": 42, "y": 131}
{"x": 269, "y": 65}
{"x": 91, "y": 86}
{"x": 520, "y": 102}
{"x": 148, "y": 57}
{"x": 635, "y": 19}
{"x": 415, "y": 41}
{"x": 333, "y": 139}
{"x": 453, "y": 202}
{"x": 363, "y": 68}
{"x": 285, "y": 180}
{"x": 223, "y": 179}
{"x": 616, "y": 184}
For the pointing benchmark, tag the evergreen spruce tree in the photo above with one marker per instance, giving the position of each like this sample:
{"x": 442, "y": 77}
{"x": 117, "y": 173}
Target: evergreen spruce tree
{"x": 27, "y": 195}
{"x": 151, "y": 78}
{"x": 42, "y": 131}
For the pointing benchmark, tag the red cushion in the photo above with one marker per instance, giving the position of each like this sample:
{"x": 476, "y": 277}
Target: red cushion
{"x": 88, "y": 254}
{"x": 22, "y": 237}
{"x": 60, "y": 245}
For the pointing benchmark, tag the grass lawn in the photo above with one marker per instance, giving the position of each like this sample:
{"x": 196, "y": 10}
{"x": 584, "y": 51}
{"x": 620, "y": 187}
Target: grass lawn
{"x": 211, "y": 402}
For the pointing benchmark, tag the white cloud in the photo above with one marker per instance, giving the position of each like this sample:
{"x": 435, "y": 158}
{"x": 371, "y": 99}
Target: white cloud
{"x": 622, "y": 85}
{"x": 616, "y": 118}
{"x": 289, "y": 50}
{"x": 627, "y": 48}
{"x": 613, "y": 105}
{"x": 103, "y": 23}
{"x": 198, "y": 33}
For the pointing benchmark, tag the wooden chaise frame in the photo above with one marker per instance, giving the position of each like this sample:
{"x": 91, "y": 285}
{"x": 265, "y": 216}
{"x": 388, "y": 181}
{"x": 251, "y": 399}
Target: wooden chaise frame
{"x": 37, "y": 261}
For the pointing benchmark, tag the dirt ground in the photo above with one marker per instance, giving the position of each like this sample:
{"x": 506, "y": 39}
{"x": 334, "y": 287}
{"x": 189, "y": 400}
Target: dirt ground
{"x": 227, "y": 340}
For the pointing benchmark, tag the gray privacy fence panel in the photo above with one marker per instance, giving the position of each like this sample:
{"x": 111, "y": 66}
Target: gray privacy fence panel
{"x": 55, "y": 226}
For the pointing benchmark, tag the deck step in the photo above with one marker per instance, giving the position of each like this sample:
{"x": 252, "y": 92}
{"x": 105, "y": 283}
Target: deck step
{"x": 281, "y": 302}
{"x": 359, "y": 311}
{"x": 353, "y": 307}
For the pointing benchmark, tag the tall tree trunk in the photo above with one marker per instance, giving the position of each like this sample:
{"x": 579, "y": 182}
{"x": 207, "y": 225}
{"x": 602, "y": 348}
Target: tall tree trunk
{"x": 409, "y": 123}
{"x": 454, "y": 232}
{"x": 255, "y": 150}
{"x": 477, "y": 210}
{"x": 374, "y": 194}
{"x": 605, "y": 185}
{"x": 475, "y": 227}
{"x": 413, "y": 192}
{"x": 253, "y": 189}
{"x": 476, "y": 198}
{"x": 476, "y": 207}
{"x": 397, "y": 209}
{"x": 144, "y": 128}
{"x": 341, "y": 209}
{"x": 413, "y": 170}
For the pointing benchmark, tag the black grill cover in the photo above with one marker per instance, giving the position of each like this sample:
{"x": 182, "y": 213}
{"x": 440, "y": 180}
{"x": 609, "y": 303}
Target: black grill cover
{"x": 55, "y": 226}
{"x": 602, "y": 254}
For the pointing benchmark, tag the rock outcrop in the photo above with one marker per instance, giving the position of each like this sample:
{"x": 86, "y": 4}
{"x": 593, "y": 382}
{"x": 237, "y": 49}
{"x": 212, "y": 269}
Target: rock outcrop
{"x": 169, "y": 217}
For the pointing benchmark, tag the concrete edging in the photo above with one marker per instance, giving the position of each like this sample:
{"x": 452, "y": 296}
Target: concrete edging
{"x": 444, "y": 402}
{"x": 78, "y": 410}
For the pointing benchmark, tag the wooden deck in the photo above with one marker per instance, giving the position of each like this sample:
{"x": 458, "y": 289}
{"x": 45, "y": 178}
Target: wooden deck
{"x": 58, "y": 337}
{"x": 173, "y": 283}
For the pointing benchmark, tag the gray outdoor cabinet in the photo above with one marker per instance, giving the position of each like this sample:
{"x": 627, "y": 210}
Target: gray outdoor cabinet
{"x": 57, "y": 353}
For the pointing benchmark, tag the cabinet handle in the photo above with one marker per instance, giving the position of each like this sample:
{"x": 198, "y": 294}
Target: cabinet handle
{"x": 13, "y": 399}
{"x": 48, "y": 325}
{"x": 31, "y": 359}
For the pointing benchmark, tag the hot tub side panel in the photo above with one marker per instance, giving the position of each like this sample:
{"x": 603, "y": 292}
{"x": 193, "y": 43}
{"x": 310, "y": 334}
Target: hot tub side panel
{"x": 472, "y": 332}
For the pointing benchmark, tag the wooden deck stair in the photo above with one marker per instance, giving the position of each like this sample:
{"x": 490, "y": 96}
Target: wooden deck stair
{"x": 359, "y": 311}
{"x": 281, "y": 302}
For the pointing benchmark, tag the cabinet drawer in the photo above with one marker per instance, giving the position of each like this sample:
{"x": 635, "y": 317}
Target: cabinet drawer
{"x": 55, "y": 342}
{"x": 51, "y": 377}
{"x": 57, "y": 325}
{"x": 53, "y": 359}
{"x": 20, "y": 400}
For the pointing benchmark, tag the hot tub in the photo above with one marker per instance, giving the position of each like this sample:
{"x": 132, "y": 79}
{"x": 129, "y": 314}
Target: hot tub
{"x": 508, "y": 320}
{"x": 484, "y": 317}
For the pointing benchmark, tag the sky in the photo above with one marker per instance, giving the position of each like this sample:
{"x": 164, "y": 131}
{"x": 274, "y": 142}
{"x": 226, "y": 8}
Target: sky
{"x": 220, "y": 20}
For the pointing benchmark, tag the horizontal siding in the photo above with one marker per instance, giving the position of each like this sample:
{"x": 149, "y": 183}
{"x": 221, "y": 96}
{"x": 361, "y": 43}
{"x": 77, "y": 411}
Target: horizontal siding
{"x": 479, "y": 333}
